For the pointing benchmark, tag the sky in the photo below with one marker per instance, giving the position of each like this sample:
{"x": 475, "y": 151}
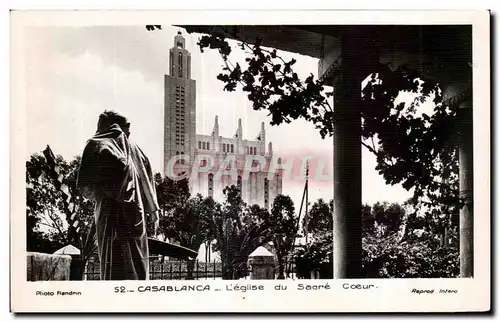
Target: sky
{"x": 75, "y": 73}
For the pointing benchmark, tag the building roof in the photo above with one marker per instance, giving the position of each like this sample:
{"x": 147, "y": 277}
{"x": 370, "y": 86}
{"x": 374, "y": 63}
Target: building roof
{"x": 68, "y": 250}
{"x": 308, "y": 40}
{"x": 261, "y": 252}
{"x": 443, "y": 50}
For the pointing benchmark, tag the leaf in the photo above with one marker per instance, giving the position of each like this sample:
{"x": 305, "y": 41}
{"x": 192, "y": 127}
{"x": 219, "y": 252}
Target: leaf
{"x": 411, "y": 149}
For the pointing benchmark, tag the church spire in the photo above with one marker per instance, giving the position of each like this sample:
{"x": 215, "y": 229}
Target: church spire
{"x": 215, "y": 131}
{"x": 239, "y": 131}
{"x": 180, "y": 58}
{"x": 179, "y": 40}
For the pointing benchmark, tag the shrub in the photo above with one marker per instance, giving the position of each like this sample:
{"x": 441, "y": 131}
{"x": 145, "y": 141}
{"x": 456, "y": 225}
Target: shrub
{"x": 385, "y": 257}
{"x": 317, "y": 256}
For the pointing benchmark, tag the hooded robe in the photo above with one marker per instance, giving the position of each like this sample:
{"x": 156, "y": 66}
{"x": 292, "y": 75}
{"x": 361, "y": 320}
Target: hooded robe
{"x": 117, "y": 175}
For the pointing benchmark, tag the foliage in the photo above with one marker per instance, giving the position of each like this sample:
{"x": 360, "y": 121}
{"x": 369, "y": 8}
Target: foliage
{"x": 415, "y": 258}
{"x": 171, "y": 194}
{"x": 382, "y": 218}
{"x": 367, "y": 220}
{"x": 85, "y": 239}
{"x": 403, "y": 244}
{"x": 238, "y": 230}
{"x": 184, "y": 220}
{"x": 416, "y": 151}
{"x": 38, "y": 240}
{"x": 284, "y": 230}
{"x": 411, "y": 150}
{"x": 398, "y": 242}
{"x": 320, "y": 218}
{"x": 44, "y": 209}
{"x": 47, "y": 227}
{"x": 316, "y": 256}
{"x": 189, "y": 224}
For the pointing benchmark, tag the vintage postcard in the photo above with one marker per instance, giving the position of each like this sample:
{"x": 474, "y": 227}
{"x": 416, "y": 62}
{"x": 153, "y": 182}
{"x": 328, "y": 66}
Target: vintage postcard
{"x": 250, "y": 161}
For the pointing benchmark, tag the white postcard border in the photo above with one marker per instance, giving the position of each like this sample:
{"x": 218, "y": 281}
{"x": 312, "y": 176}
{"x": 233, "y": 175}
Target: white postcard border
{"x": 385, "y": 296}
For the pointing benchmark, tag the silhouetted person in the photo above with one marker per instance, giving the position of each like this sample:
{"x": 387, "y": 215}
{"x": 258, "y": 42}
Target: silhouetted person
{"x": 117, "y": 175}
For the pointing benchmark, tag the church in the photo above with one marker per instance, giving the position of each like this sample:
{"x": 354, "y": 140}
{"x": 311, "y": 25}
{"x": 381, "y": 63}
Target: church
{"x": 247, "y": 164}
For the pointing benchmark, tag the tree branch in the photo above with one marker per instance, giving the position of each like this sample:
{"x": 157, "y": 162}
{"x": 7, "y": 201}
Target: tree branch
{"x": 325, "y": 105}
{"x": 57, "y": 227}
{"x": 369, "y": 148}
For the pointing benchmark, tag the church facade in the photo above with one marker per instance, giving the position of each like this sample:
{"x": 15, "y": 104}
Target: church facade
{"x": 211, "y": 161}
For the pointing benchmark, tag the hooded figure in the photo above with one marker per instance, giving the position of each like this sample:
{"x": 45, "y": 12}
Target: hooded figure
{"x": 116, "y": 174}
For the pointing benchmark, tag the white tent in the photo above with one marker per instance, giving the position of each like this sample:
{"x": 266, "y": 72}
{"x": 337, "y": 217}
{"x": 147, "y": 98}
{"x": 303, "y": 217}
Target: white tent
{"x": 68, "y": 250}
{"x": 261, "y": 252}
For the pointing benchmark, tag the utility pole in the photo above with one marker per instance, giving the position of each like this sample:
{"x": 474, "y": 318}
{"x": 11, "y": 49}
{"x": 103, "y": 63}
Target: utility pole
{"x": 304, "y": 197}
{"x": 306, "y": 222}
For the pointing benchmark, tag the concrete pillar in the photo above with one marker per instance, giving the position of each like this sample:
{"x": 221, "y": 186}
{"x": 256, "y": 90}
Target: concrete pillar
{"x": 453, "y": 95}
{"x": 262, "y": 264}
{"x": 347, "y": 155}
{"x": 466, "y": 175}
{"x": 77, "y": 266}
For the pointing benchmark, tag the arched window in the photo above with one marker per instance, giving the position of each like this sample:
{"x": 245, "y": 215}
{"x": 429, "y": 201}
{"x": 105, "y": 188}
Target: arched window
{"x": 179, "y": 65}
{"x": 199, "y": 145}
{"x": 239, "y": 185}
{"x": 208, "y": 145}
{"x": 172, "y": 71}
{"x": 232, "y": 148}
{"x": 223, "y": 147}
{"x": 266, "y": 193}
{"x": 279, "y": 185}
{"x": 210, "y": 185}
{"x": 203, "y": 145}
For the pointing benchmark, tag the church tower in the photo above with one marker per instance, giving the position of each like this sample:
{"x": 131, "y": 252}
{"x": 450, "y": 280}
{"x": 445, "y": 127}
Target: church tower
{"x": 180, "y": 138}
{"x": 180, "y": 105}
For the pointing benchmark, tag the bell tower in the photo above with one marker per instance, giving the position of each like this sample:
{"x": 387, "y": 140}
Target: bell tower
{"x": 180, "y": 58}
{"x": 180, "y": 105}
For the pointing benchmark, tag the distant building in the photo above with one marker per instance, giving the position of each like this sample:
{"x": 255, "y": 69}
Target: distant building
{"x": 180, "y": 139}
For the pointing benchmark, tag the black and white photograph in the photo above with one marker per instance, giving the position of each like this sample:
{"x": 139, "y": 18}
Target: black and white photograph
{"x": 239, "y": 152}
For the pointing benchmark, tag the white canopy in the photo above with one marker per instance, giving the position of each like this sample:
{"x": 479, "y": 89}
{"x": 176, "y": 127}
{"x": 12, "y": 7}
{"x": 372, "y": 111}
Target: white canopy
{"x": 68, "y": 250}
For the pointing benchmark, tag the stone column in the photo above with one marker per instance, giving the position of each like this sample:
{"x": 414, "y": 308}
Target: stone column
{"x": 460, "y": 95}
{"x": 466, "y": 175}
{"x": 347, "y": 153}
{"x": 77, "y": 265}
{"x": 262, "y": 264}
